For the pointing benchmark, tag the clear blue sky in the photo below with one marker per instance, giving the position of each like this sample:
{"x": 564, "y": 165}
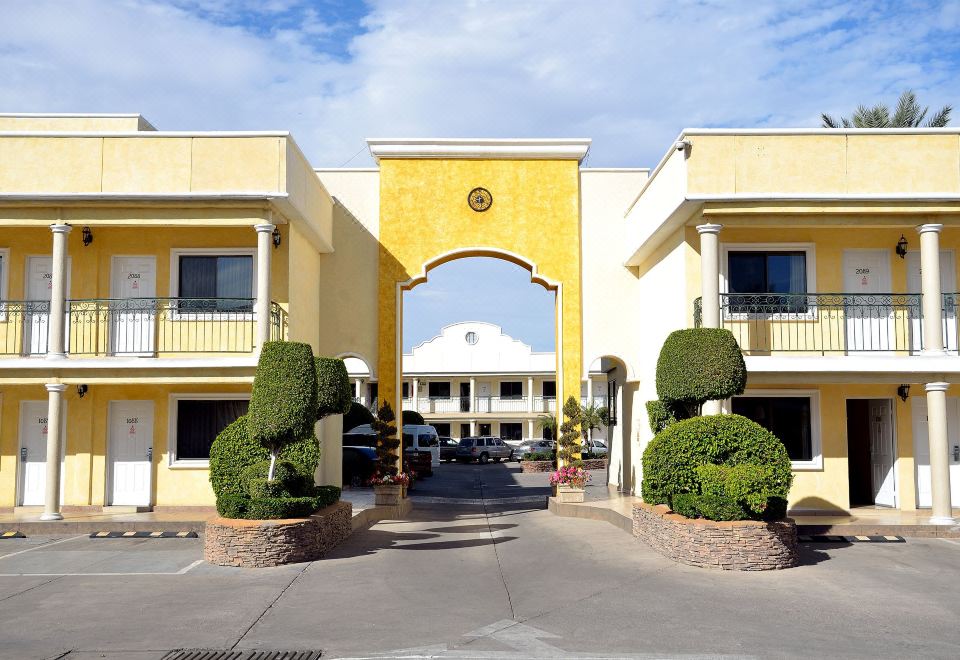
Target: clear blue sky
{"x": 480, "y": 289}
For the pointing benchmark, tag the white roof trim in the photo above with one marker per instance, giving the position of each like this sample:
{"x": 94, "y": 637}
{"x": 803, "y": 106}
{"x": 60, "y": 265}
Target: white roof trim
{"x": 144, "y": 134}
{"x": 480, "y": 148}
{"x": 140, "y": 197}
{"x": 826, "y": 197}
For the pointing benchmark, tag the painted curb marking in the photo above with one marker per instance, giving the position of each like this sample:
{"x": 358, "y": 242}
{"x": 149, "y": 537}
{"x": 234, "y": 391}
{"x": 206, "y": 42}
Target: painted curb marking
{"x": 13, "y": 535}
{"x": 143, "y": 535}
{"x": 850, "y": 539}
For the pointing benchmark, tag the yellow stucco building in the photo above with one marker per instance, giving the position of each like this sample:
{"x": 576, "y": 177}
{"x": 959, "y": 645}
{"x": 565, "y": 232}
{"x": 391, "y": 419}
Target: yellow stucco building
{"x": 140, "y": 271}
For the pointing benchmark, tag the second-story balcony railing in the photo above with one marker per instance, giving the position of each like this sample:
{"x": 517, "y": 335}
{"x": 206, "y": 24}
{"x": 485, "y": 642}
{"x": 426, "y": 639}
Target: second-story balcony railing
{"x": 138, "y": 326}
{"x": 825, "y": 322}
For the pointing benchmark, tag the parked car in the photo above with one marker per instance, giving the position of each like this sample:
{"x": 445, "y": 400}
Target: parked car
{"x": 422, "y": 437}
{"x": 359, "y": 464}
{"x": 595, "y": 447}
{"x": 448, "y": 448}
{"x": 533, "y": 447}
{"x": 483, "y": 449}
{"x": 419, "y": 462}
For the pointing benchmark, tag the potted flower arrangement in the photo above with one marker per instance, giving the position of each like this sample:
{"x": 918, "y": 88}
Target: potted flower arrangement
{"x": 570, "y": 481}
{"x": 389, "y": 484}
{"x": 389, "y": 488}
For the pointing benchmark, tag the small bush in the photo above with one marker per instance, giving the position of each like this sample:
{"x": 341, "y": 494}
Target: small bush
{"x": 272, "y": 508}
{"x": 387, "y": 441}
{"x": 568, "y": 445}
{"x": 411, "y": 417}
{"x": 288, "y": 480}
{"x": 698, "y": 365}
{"x": 660, "y": 415}
{"x": 539, "y": 456}
{"x": 673, "y": 464}
{"x": 283, "y": 403}
{"x": 327, "y": 495}
{"x": 231, "y": 505}
{"x": 358, "y": 415}
{"x": 334, "y": 394}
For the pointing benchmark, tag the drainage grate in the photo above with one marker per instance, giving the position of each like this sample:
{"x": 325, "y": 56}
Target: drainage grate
{"x": 851, "y": 539}
{"x": 247, "y": 654}
{"x": 143, "y": 535}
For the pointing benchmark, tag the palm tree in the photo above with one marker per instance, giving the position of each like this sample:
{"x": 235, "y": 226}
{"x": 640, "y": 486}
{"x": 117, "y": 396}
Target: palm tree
{"x": 593, "y": 416}
{"x": 908, "y": 114}
{"x": 548, "y": 422}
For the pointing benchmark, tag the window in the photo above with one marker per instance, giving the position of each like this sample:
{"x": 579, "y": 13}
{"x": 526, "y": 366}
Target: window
{"x": 406, "y": 390}
{"x": 547, "y": 434}
{"x": 471, "y": 337}
{"x": 791, "y": 416}
{"x": 549, "y": 389}
{"x": 766, "y": 277}
{"x": 221, "y": 282}
{"x": 443, "y": 428}
{"x": 511, "y": 431}
{"x": 439, "y": 390}
{"x": 199, "y": 421}
{"x": 484, "y": 429}
{"x": 511, "y": 390}
{"x": 464, "y": 430}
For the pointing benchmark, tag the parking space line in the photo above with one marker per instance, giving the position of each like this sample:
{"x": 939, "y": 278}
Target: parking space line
{"x": 187, "y": 569}
{"x": 43, "y": 545}
{"x": 949, "y": 540}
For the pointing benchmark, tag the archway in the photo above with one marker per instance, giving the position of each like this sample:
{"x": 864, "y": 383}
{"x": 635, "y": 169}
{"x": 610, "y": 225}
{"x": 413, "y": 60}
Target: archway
{"x": 608, "y": 380}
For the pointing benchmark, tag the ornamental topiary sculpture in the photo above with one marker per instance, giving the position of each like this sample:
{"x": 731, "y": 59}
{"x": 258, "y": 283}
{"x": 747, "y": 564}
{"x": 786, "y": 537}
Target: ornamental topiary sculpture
{"x": 697, "y": 365}
{"x": 387, "y": 441}
{"x": 569, "y": 442}
{"x": 334, "y": 394}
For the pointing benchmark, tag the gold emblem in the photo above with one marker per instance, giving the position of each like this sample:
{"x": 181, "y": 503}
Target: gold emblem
{"x": 480, "y": 199}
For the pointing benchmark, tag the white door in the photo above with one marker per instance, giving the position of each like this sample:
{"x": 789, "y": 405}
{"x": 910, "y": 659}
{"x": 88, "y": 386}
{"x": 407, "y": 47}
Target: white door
{"x": 921, "y": 449}
{"x": 133, "y": 315}
{"x": 36, "y": 316}
{"x": 131, "y": 452}
{"x": 483, "y": 397}
{"x": 882, "y": 453}
{"x": 948, "y": 284}
{"x": 869, "y": 317}
{"x": 33, "y": 453}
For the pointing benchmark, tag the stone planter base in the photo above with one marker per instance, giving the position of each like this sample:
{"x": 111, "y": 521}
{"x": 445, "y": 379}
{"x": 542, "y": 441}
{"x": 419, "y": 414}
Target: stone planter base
{"x": 595, "y": 464}
{"x": 388, "y": 495}
{"x": 263, "y": 543}
{"x": 741, "y": 545}
{"x": 536, "y": 466}
{"x": 569, "y": 495}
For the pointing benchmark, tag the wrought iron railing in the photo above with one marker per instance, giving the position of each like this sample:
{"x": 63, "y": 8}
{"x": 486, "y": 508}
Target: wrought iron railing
{"x": 139, "y": 326}
{"x": 823, "y": 322}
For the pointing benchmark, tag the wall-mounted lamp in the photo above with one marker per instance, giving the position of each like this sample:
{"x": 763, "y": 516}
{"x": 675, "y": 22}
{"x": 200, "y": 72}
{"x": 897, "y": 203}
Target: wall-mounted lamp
{"x": 902, "y": 247}
{"x": 87, "y": 236}
{"x": 81, "y": 390}
{"x": 903, "y": 392}
{"x": 276, "y": 237}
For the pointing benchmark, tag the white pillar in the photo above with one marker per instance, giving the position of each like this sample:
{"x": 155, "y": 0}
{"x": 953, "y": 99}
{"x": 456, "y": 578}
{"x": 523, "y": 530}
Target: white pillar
{"x": 473, "y": 427}
{"x": 51, "y": 503}
{"x": 262, "y": 306}
{"x": 529, "y": 394}
{"x": 56, "y": 337}
{"x": 473, "y": 398}
{"x": 932, "y": 296}
{"x": 358, "y": 390}
{"x": 530, "y": 429}
{"x": 415, "y": 391}
{"x": 710, "y": 289}
{"x": 942, "y": 511}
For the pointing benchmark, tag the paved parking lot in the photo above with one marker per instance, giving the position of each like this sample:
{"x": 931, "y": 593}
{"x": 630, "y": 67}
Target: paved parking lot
{"x": 461, "y": 581}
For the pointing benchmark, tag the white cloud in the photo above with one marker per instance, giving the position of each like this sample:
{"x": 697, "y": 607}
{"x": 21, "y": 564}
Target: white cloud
{"x": 628, "y": 74}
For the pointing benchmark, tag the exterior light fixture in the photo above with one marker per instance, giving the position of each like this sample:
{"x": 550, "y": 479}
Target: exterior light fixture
{"x": 276, "y": 237}
{"x": 903, "y": 392}
{"x": 87, "y": 236}
{"x": 902, "y": 247}
{"x": 81, "y": 390}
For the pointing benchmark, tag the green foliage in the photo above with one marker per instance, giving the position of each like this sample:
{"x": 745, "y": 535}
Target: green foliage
{"x": 283, "y": 404}
{"x": 548, "y": 422}
{"x": 539, "y": 456}
{"x": 288, "y": 480}
{"x": 660, "y": 415}
{"x": 569, "y": 441}
{"x": 673, "y": 464}
{"x": 411, "y": 417}
{"x": 387, "y": 440}
{"x": 327, "y": 495}
{"x": 358, "y": 415}
{"x": 698, "y": 365}
{"x": 235, "y": 450}
{"x": 273, "y": 508}
{"x": 232, "y": 505}
{"x": 908, "y": 114}
{"x": 334, "y": 394}
{"x": 593, "y": 416}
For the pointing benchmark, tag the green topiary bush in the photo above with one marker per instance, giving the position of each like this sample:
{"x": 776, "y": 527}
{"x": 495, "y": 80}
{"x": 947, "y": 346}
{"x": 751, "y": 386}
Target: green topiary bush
{"x": 411, "y": 417}
{"x": 698, "y": 365}
{"x": 660, "y": 415}
{"x": 283, "y": 404}
{"x": 358, "y": 415}
{"x": 748, "y": 467}
{"x": 568, "y": 445}
{"x": 288, "y": 480}
{"x": 270, "y": 508}
{"x": 387, "y": 441}
{"x": 334, "y": 394}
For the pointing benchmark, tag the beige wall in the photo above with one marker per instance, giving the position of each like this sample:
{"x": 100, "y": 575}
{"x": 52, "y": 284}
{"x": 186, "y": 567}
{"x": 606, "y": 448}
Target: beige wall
{"x": 52, "y": 122}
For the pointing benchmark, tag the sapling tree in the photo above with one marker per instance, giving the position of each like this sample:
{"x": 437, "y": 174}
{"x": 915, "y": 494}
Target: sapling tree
{"x": 387, "y": 441}
{"x": 569, "y": 441}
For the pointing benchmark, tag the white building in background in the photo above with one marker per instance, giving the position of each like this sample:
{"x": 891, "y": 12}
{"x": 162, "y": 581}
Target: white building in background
{"x": 472, "y": 379}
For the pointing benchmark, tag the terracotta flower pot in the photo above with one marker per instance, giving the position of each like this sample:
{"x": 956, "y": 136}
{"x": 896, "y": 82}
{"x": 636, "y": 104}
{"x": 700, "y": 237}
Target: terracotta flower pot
{"x": 387, "y": 495}
{"x": 570, "y": 494}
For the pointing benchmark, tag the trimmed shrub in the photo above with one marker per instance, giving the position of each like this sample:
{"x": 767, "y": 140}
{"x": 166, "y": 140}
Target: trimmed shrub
{"x": 660, "y": 415}
{"x": 288, "y": 480}
{"x": 358, "y": 415}
{"x": 272, "y": 508}
{"x": 283, "y": 403}
{"x": 231, "y": 505}
{"x": 334, "y": 394}
{"x": 235, "y": 450}
{"x": 539, "y": 456}
{"x": 698, "y": 365}
{"x": 327, "y": 495}
{"x": 569, "y": 441}
{"x": 387, "y": 441}
{"x": 672, "y": 465}
{"x": 411, "y": 417}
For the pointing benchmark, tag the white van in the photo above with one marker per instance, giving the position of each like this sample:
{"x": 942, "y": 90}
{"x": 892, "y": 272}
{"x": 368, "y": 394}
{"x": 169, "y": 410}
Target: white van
{"x": 423, "y": 437}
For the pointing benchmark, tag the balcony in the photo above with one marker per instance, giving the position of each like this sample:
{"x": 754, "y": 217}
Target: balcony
{"x": 831, "y": 323}
{"x": 138, "y": 327}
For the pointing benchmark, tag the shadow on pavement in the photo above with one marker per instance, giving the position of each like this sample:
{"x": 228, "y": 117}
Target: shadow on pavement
{"x": 470, "y": 529}
{"x": 810, "y": 555}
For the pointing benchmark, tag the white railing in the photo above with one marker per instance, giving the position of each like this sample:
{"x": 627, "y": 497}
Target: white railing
{"x": 544, "y": 404}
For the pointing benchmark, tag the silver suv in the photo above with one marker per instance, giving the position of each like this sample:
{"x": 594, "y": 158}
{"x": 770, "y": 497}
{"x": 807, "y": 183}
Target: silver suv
{"x": 483, "y": 449}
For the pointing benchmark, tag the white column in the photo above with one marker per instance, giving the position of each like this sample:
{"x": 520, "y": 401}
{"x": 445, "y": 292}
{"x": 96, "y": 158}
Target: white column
{"x": 529, "y": 394}
{"x": 415, "y": 391}
{"x": 473, "y": 398}
{"x": 942, "y": 513}
{"x": 930, "y": 288}
{"x": 262, "y": 307}
{"x": 56, "y": 337}
{"x": 51, "y": 503}
{"x": 358, "y": 390}
{"x": 530, "y": 429}
{"x": 710, "y": 289}
{"x": 473, "y": 427}
{"x": 589, "y": 382}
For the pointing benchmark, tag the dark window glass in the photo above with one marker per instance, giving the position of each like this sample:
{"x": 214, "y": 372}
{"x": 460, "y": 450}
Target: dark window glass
{"x": 443, "y": 428}
{"x": 547, "y": 434}
{"x": 511, "y": 431}
{"x": 439, "y": 390}
{"x": 511, "y": 390}
{"x": 550, "y": 389}
{"x": 484, "y": 429}
{"x": 406, "y": 390}
{"x": 787, "y": 417}
{"x": 407, "y": 440}
{"x": 229, "y": 279}
{"x": 767, "y": 273}
{"x": 464, "y": 430}
{"x": 199, "y": 422}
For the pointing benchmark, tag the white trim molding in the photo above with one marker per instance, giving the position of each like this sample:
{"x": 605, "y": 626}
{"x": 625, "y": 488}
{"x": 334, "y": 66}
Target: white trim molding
{"x": 480, "y": 148}
{"x": 172, "y": 409}
{"x": 816, "y": 439}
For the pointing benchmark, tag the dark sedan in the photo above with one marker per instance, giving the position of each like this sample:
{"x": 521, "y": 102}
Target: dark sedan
{"x": 448, "y": 449}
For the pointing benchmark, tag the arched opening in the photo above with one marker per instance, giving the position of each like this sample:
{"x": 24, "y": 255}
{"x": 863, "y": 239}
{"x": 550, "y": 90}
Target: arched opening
{"x": 608, "y": 386}
{"x": 362, "y": 379}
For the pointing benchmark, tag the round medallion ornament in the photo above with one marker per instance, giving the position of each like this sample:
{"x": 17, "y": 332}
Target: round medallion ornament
{"x": 480, "y": 199}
